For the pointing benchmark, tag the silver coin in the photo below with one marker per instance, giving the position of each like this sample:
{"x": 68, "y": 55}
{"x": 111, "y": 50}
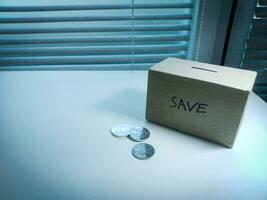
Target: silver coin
{"x": 120, "y": 130}
{"x": 143, "y": 151}
{"x": 139, "y": 133}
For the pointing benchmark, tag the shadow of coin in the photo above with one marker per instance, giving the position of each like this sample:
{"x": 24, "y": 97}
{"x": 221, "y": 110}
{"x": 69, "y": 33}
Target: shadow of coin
{"x": 129, "y": 137}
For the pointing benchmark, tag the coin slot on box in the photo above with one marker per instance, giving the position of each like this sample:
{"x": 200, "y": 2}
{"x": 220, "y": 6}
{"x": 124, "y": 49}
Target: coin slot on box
{"x": 209, "y": 70}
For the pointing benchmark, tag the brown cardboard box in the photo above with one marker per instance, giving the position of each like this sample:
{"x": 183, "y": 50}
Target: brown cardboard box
{"x": 201, "y": 99}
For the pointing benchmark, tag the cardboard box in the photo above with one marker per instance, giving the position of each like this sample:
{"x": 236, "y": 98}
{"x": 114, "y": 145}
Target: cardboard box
{"x": 201, "y": 99}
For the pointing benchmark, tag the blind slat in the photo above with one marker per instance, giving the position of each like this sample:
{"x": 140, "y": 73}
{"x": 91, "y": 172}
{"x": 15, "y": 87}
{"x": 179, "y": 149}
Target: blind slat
{"x": 256, "y": 54}
{"x": 94, "y": 18}
{"x": 260, "y": 89}
{"x": 81, "y": 50}
{"x": 259, "y": 23}
{"x": 256, "y": 33}
{"x": 255, "y": 64}
{"x": 92, "y": 7}
{"x": 54, "y": 60}
{"x": 261, "y": 12}
{"x": 118, "y": 66}
{"x": 96, "y": 39}
{"x": 257, "y": 44}
{"x": 73, "y": 29}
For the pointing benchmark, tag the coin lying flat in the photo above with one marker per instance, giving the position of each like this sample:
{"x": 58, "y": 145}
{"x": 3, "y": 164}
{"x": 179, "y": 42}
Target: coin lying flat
{"x": 139, "y": 133}
{"x": 120, "y": 130}
{"x": 143, "y": 151}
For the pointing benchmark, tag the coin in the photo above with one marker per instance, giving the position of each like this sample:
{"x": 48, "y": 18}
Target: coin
{"x": 143, "y": 151}
{"x": 139, "y": 133}
{"x": 120, "y": 130}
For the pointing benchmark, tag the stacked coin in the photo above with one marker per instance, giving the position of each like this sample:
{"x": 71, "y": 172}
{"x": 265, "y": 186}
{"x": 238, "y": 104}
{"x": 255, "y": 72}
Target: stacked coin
{"x": 139, "y": 134}
{"x": 120, "y": 130}
{"x": 140, "y": 151}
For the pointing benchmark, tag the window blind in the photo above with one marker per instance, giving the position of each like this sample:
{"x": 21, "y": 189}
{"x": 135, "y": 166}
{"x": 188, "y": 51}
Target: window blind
{"x": 93, "y": 34}
{"x": 255, "y": 53}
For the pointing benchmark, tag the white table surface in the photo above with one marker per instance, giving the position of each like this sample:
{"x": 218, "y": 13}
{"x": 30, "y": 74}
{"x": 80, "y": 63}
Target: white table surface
{"x": 55, "y": 143}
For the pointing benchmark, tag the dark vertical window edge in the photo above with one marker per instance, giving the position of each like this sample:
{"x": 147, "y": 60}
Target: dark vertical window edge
{"x": 228, "y": 32}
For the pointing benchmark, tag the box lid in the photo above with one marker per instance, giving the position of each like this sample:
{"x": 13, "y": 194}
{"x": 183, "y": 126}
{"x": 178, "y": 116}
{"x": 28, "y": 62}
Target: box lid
{"x": 221, "y": 75}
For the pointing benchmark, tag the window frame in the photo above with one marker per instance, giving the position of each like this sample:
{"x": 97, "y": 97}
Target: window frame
{"x": 240, "y": 32}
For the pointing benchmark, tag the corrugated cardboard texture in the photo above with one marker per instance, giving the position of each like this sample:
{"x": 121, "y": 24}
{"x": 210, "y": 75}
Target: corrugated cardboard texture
{"x": 206, "y": 108}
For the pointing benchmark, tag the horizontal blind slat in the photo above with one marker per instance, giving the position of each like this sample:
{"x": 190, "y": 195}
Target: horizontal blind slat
{"x": 92, "y": 7}
{"x": 53, "y": 60}
{"x": 256, "y": 54}
{"x": 81, "y": 50}
{"x": 73, "y": 29}
{"x": 117, "y": 66}
{"x": 259, "y": 23}
{"x": 256, "y": 33}
{"x": 97, "y": 39}
{"x": 261, "y": 12}
{"x": 257, "y": 44}
{"x": 94, "y": 18}
{"x": 261, "y": 89}
{"x": 255, "y": 64}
